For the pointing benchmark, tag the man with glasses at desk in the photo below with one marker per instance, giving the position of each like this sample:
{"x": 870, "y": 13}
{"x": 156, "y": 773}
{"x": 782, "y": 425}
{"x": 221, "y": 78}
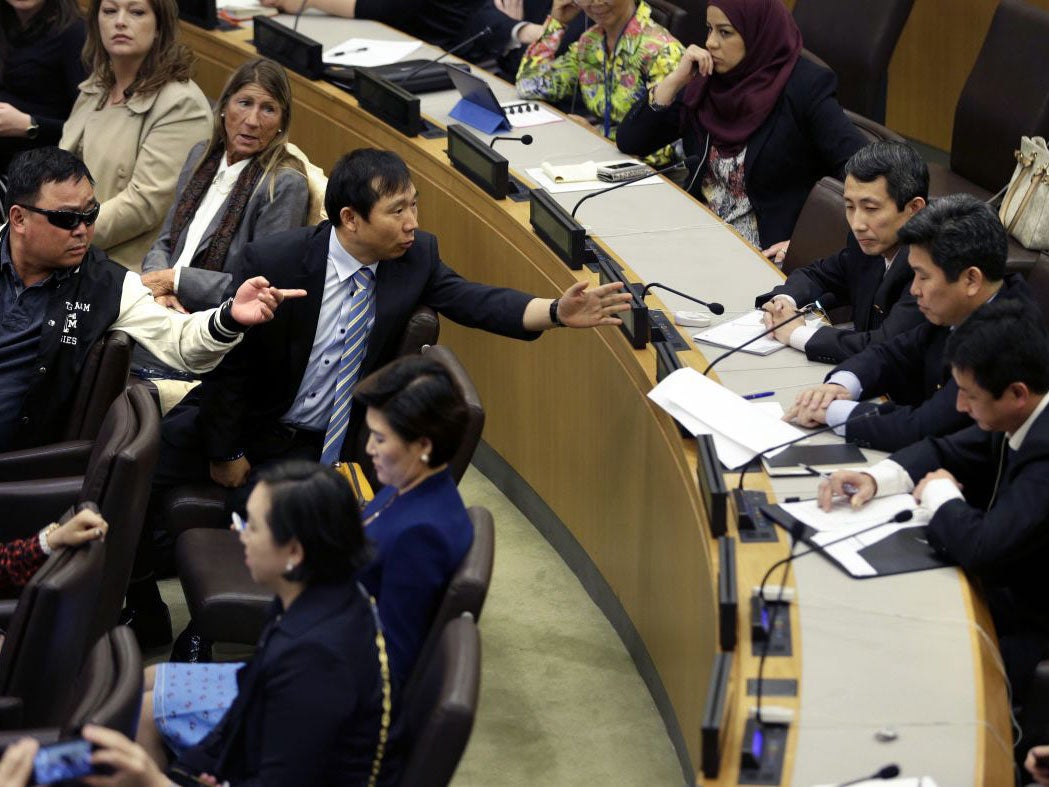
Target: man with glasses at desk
{"x": 59, "y": 296}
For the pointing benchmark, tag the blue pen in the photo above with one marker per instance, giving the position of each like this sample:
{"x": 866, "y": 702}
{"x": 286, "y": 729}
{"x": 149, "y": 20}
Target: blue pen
{"x": 761, "y": 395}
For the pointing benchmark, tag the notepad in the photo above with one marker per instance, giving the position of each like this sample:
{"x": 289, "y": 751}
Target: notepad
{"x": 740, "y": 330}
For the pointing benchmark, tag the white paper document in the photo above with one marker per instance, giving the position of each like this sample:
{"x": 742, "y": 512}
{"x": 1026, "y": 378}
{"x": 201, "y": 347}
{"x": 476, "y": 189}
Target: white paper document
{"x": 735, "y": 332}
{"x": 544, "y": 181}
{"x": 524, "y": 114}
{"x": 740, "y": 429}
{"x": 843, "y": 520}
{"x": 910, "y": 781}
{"x": 369, "y": 52}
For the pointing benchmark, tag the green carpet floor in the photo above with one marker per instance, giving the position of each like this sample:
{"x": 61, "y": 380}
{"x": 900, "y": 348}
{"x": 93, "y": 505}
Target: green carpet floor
{"x": 561, "y": 702}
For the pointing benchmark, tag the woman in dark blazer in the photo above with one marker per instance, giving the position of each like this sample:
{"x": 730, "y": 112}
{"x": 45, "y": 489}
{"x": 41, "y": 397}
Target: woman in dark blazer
{"x": 40, "y": 69}
{"x": 763, "y": 121}
{"x": 314, "y": 704}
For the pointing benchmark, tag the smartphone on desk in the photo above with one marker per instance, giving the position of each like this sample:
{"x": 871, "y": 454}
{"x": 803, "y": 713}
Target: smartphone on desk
{"x": 618, "y": 171}
{"x": 70, "y": 759}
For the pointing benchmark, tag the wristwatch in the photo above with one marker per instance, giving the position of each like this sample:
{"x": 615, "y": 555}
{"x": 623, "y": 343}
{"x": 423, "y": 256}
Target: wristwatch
{"x": 553, "y": 313}
{"x": 34, "y": 128}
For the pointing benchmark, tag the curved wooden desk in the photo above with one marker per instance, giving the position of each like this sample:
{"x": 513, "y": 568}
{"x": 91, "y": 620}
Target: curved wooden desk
{"x": 569, "y": 413}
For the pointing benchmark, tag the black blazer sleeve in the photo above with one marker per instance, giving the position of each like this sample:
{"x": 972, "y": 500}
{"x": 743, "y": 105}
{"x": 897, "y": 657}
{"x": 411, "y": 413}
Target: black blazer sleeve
{"x": 1014, "y": 529}
{"x": 834, "y": 345}
{"x": 894, "y": 368}
{"x": 827, "y": 276}
{"x": 903, "y": 425}
{"x": 832, "y": 133}
{"x": 644, "y": 130}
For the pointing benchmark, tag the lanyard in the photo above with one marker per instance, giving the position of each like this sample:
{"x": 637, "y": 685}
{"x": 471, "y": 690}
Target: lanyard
{"x": 607, "y": 77}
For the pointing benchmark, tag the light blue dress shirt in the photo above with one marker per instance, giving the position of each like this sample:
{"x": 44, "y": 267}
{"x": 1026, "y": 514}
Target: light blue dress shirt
{"x": 312, "y": 406}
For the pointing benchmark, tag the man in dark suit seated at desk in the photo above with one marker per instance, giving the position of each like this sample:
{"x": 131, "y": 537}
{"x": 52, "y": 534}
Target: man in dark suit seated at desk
{"x": 886, "y": 183}
{"x": 958, "y": 249}
{"x": 988, "y": 485}
{"x": 286, "y": 392}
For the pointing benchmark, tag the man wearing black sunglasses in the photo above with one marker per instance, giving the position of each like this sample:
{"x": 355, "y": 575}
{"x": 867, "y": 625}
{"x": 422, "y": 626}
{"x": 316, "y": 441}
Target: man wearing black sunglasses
{"x": 58, "y": 296}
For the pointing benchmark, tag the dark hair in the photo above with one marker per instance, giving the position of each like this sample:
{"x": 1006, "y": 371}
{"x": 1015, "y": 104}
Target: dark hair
{"x": 1001, "y": 343}
{"x": 361, "y": 178}
{"x": 53, "y": 17}
{"x": 419, "y": 398}
{"x": 905, "y": 172}
{"x": 959, "y": 232}
{"x": 31, "y": 169}
{"x": 314, "y": 504}
{"x": 168, "y": 59}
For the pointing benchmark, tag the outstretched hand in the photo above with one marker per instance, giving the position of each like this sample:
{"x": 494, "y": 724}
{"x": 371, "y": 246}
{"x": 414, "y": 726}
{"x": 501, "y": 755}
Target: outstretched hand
{"x": 583, "y": 307}
{"x": 256, "y": 301}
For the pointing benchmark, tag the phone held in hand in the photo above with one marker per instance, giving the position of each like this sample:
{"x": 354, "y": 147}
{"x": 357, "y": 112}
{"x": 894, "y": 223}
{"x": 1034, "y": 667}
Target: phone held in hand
{"x": 63, "y": 760}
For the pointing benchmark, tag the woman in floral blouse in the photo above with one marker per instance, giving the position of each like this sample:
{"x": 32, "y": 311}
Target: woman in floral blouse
{"x": 613, "y": 63}
{"x": 20, "y": 559}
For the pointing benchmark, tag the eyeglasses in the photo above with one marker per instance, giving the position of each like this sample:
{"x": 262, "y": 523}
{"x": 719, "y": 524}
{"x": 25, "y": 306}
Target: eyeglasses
{"x": 237, "y": 523}
{"x": 66, "y": 219}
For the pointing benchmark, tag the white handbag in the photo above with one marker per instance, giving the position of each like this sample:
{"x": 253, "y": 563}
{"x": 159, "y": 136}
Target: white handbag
{"x": 1025, "y": 207}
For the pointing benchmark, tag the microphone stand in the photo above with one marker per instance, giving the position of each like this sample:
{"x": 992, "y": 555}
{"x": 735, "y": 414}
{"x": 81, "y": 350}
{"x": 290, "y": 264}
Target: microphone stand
{"x": 715, "y": 308}
{"x": 660, "y": 171}
{"x": 486, "y": 30}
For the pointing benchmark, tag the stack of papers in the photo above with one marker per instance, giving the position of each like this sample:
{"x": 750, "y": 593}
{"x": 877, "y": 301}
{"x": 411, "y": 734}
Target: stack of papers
{"x": 741, "y": 429}
{"x": 843, "y": 521}
{"x": 742, "y": 329}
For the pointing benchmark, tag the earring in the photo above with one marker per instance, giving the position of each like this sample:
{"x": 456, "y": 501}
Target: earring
{"x": 290, "y": 566}
{"x": 222, "y": 114}
{"x": 425, "y": 458}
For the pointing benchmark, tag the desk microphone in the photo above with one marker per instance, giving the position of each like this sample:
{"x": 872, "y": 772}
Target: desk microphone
{"x": 689, "y": 162}
{"x": 485, "y": 31}
{"x": 298, "y": 15}
{"x": 888, "y": 772}
{"x": 715, "y": 308}
{"x": 797, "y": 529}
{"x": 524, "y": 139}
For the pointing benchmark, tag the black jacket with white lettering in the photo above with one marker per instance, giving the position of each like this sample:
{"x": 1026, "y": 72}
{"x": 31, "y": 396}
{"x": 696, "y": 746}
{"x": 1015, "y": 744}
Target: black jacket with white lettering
{"x": 81, "y": 309}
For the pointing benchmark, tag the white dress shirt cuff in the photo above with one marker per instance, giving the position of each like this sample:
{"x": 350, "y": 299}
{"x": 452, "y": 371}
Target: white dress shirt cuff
{"x": 937, "y": 492}
{"x": 178, "y": 273}
{"x": 515, "y": 41}
{"x": 838, "y": 413}
{"x": 848, "y": 381}
{"x": 788, "y": 298}
{"x": 891, "y": 478}
{"x": 800, "y": 336}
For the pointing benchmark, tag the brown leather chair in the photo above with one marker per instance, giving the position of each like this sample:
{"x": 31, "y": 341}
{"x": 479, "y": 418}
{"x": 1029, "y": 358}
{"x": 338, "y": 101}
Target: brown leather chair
{"x": 117, "y": 480}
{"x": 475, "y": 410}
{"x": 102, "y": 378}
{"x": 821, "y": 229}
{"x": 872, "y": 130}
{"x": 48, "y": 638}
{"x": 203, "y": 504}
{"x": 109, "y": 688}
{"x": 1005, "y": 97}
{"x": 440, "y": 716}
{"x": 857, "y": 39}
{"x": 673, "y": 17}
{"x": 467, "y": 589}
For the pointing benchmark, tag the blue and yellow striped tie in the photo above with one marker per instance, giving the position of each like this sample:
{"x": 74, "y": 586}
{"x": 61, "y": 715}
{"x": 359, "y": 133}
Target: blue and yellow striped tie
{"x": 358, "y": 329}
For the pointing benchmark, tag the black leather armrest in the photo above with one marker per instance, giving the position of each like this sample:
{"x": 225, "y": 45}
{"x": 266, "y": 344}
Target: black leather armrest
{"x": 44, "y": 735}
{"x": 31, "y": 505}
{"x": 47, "y": 461}
{"x": 10, "y": 712}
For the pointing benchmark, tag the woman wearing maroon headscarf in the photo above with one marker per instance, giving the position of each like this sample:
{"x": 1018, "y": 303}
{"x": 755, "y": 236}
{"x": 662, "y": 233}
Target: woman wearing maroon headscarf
{"x": 764, "y": 121}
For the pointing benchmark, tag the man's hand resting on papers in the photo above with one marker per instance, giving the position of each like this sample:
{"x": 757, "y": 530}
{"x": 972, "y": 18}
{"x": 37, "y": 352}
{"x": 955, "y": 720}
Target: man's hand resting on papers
{"x": 941, "y": 473}
{"x": 858, "y": 487}
{"x": 810, "y": 406}
{"x": 778, "y": 311}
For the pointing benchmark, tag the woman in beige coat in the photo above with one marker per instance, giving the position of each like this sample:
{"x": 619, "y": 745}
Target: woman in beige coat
{"x": 135, "y": 120}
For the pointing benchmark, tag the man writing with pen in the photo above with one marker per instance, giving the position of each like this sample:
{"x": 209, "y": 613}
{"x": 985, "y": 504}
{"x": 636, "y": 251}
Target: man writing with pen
{"x": 986, "y": 486}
